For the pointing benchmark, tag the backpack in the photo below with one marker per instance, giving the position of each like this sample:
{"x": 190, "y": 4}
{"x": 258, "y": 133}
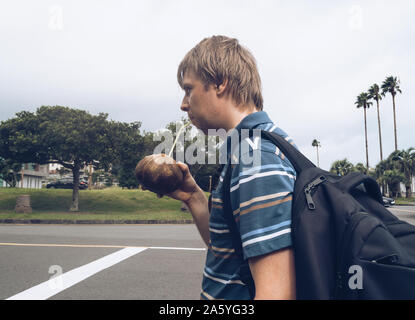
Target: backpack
{"x": 346, "y": 244}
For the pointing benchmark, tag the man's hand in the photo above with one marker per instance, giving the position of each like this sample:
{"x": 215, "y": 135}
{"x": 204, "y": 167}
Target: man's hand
{"x": 194, "y": 197}
{"x": 187, "y": 189}
{"x": 274, "y": 275}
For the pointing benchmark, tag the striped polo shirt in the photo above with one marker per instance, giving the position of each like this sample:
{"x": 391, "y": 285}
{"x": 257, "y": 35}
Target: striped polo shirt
{"x": 261, "y": 198}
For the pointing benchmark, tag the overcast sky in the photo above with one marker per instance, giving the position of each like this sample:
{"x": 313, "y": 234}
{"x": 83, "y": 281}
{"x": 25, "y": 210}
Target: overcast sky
{"x": 121, "y": 57}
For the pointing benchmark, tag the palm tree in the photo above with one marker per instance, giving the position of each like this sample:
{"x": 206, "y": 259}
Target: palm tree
{"x": 375, "y": 95}
{"x": 391, "y": 85}
{"x": 341, "y": 167}
{"x": 360, "y": 167}
{"x": 316, "y": 144}
{"x": 380, "y": 169}
{"x": 393, "y": 178}
{"x": 363, "y": 102}
{"x": 405, "y": 160}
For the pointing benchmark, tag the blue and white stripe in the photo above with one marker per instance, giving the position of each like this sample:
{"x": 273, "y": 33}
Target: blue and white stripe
{"x": 261, "y": 200}
{"x": 266, "y": 237}
{"x": 261, "y": 175}
{"x": 220, "y": 277}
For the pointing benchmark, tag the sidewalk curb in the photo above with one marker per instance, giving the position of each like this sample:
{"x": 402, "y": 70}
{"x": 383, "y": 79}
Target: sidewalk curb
{"x": 56, "y": 221}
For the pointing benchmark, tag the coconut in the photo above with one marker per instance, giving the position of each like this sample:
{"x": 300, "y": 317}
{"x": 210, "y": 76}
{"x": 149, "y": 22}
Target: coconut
{"x": 159, "y": 173}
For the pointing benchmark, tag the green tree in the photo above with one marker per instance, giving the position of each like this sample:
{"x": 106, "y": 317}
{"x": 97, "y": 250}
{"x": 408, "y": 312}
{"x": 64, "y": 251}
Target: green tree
{"x": 129, "y": 147}
{"x": 360, "y": 167}
{"x": 405, "y": 163}
{"x": 201, "y": 170}
{"x": 55, "y": 134}
{"x": 342, "y": 167}
{"x": 375, "y": 95}
{"x": 9, "y": 171}
{"x": 393, "y": 178}
{"x": 380, "y": 169}
{"x": 317, "y": 145}
{"x": 391, "y": 85}
{"x": 363, "y": 102}
{"x": 396, "y": 169}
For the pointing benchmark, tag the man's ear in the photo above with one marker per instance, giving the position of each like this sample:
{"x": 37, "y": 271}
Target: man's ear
{"x": 221, "y": 88}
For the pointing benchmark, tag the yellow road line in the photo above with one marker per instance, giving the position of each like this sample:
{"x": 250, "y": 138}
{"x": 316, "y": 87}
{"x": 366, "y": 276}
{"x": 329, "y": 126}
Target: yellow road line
{"x": 403, "y": 210}
{"x": 65, "y": 245}
{"x": 94, "y": 224}
{"x": 92, "y": 246}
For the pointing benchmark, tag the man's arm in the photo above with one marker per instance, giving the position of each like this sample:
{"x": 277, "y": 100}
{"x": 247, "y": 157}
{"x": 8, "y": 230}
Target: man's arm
{"x": 195, "y": 199}
{"x": 198, "y": 206}
{"x": 274, "y": 275}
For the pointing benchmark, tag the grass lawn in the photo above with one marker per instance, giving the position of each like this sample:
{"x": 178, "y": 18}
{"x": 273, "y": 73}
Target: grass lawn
{"x": 403, "y": 201}
{"x": 107, "y": 204}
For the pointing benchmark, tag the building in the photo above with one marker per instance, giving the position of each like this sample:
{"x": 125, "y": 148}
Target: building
{"x": 56, "y": 171}
{"x": 32, "y": 176}
{"x": 54, "y": 167}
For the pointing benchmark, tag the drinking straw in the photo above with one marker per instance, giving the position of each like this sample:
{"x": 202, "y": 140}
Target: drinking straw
{"x": 178, "y": 134}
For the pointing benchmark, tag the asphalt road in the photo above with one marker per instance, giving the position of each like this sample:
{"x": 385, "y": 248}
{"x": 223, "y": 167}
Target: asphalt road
{"x": 107, "y": 261}
{"x": 165, "y": 261}
{"x": 405, "y": 213}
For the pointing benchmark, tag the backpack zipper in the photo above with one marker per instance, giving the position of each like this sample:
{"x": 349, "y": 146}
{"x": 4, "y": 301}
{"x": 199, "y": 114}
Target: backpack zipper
{"x": 389, "y": 259}
{"x": 309, "y": 188}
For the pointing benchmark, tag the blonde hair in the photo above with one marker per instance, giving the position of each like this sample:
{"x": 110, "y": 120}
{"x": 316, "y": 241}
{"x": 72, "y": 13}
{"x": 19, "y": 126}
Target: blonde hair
{"x": 218, "y": 58}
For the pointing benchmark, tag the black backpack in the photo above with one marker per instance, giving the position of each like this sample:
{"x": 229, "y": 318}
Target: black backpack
{"x": 347, "y": 245}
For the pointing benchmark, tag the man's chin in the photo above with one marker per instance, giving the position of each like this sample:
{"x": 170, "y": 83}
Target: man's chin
{"x": 195, "y": 124}
{"x": 206, "y": 131}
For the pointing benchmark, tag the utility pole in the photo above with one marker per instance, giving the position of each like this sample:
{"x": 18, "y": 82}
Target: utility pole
{"x": 90, "y": 177}
{"x": 317, "y": 144}
{"x": 22, "y": 176}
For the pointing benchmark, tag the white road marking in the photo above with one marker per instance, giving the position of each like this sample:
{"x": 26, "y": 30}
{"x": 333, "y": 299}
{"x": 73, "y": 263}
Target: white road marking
{"x": 49, "y": 288}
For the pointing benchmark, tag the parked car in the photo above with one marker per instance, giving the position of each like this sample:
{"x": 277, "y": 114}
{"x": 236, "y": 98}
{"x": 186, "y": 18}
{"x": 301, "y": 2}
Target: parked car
{"x": 387, "y": 202}
{"x": 66, "y": 184}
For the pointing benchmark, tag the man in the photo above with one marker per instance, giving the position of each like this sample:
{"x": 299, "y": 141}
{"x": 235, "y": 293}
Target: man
{"x": 223, "y": 90}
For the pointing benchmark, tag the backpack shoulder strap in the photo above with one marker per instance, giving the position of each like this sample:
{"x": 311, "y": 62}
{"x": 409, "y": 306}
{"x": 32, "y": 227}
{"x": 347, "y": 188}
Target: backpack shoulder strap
{"x": 297, "y": 159}
{"x": 228, "y": 212}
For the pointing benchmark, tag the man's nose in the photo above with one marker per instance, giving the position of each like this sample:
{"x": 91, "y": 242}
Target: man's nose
{"x": 185, "y": 105}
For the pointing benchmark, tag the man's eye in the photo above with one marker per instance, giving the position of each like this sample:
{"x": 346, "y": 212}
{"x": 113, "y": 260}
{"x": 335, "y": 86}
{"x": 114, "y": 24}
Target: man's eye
{"x": 187, "y": 91}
